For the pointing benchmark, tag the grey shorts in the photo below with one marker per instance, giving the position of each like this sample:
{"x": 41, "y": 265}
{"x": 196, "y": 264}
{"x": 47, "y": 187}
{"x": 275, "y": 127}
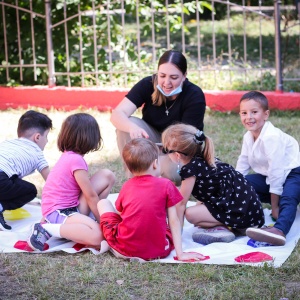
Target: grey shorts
{"x": 59, "y": 216}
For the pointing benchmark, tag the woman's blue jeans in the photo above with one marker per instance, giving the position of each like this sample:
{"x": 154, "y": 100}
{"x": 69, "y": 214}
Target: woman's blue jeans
{"x": 289, "y": 199}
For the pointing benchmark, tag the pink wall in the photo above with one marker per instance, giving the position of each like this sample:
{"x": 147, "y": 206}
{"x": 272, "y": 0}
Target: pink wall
{"x": 72, "y": 98}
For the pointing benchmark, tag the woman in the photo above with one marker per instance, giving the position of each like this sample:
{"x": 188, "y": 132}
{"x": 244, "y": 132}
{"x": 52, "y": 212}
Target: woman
{"x": 167, "y": 97}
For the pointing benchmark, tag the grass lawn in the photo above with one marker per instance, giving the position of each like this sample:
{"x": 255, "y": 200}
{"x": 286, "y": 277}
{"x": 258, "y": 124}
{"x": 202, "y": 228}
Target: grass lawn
{"x": 87, "y": 276}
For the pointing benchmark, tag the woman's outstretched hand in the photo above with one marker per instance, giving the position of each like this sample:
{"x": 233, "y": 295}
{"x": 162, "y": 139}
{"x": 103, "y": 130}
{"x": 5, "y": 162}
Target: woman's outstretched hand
{"x": 138, "y": 132}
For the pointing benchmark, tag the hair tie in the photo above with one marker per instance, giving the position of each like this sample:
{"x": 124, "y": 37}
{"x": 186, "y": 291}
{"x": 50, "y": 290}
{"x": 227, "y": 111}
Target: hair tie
{"x": 199, "y": 137}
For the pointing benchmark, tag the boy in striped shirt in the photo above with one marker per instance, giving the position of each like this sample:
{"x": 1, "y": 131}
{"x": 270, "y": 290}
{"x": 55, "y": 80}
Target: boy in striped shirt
{"x": 21, "y": 157}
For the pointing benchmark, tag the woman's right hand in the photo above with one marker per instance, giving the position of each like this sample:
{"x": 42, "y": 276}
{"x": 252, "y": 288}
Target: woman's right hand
{"x": 137, "y": 132}
{"x": 120, "y": 119}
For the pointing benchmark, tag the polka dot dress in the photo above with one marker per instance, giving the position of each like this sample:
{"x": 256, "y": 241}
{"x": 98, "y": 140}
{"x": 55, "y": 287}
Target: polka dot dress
{"x": 225, "y": 192}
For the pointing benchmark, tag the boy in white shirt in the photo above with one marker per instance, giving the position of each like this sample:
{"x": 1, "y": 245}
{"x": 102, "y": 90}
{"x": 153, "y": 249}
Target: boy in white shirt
{"x": 274, "y": 157}
{"x": 21, "y": 157}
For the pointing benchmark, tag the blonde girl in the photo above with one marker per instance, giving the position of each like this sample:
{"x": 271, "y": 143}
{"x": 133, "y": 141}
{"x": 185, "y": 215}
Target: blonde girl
{"x": 225, "y": 197}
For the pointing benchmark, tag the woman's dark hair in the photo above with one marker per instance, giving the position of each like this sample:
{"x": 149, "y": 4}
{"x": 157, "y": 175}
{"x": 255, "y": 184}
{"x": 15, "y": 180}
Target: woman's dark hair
{"x": 179, "y": 61}
{"x": 79, "y": 133}
{"x": 176, "y": 58}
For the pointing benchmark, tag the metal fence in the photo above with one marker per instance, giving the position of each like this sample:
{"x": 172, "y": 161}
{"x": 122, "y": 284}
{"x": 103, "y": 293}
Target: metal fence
{"x": 105, "y": 45}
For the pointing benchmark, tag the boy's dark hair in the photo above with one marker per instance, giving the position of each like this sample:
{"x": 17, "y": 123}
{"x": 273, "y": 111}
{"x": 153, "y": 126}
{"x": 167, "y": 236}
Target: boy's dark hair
{"x": 33, "y": 120}
{"x": 257, "y": 97}
{"x": 79, "y": 133}
{"x": 139, "y": 154}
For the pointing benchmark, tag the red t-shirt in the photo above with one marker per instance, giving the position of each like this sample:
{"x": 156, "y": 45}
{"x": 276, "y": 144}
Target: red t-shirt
{"x": 143, "y": 203}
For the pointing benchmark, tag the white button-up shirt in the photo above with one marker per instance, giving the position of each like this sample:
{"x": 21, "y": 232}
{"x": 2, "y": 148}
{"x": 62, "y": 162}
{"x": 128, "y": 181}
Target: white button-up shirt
{"x": 274, "y": 154}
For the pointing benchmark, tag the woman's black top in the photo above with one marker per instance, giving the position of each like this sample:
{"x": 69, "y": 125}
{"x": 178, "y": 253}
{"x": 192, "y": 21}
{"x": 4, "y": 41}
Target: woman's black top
{"x": 189, "y": 107}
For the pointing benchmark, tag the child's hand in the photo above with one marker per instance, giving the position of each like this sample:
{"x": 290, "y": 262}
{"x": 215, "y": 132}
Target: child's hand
{"x": 273, "y": 219}
{"x": 275, "y": 213}
{"x": 191, "y": 257}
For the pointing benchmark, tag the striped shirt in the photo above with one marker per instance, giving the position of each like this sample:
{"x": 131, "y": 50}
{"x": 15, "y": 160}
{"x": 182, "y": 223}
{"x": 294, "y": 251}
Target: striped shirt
{"x": 21, "y": 157}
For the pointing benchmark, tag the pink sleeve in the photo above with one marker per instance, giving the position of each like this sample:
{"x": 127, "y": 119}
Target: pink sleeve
{"x": 78, "y": 163}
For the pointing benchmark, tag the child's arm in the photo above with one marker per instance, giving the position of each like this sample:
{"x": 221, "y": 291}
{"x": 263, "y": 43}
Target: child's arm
{"x": 88, "y": 191}
{"x": 275, "y": 205}
{"x": 45, "y": 172}
{"x": 185, "y": 190}
{"x": 176, "y": 234}
{"x": 242, "y": 164}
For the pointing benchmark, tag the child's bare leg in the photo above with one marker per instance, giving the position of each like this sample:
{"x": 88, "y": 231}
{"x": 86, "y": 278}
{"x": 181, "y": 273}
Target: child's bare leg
{"x": 102, "y": 181}
{"x": 105, "y": 206}
{"x": 82, "y": 229}
{"x": 199, "y": 215}
{"x": 83, "y": 206}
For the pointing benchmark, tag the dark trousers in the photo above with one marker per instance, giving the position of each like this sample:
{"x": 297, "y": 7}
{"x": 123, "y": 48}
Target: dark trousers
{"x": 288, "y": 201}
{"x": 15, "y": 192}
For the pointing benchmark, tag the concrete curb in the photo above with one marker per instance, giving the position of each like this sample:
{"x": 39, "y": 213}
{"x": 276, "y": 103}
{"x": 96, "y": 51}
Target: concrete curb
{"x": 106, "y": 99}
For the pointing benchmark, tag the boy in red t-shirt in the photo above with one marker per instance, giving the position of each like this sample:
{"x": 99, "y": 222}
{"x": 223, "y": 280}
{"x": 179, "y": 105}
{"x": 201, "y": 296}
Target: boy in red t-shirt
{"x": 145, "y": 202}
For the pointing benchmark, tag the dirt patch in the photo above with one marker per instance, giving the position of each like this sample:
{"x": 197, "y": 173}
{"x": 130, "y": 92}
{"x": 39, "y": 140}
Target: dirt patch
{"x": 10, "y": 287}
{"x": 292, "y": 290}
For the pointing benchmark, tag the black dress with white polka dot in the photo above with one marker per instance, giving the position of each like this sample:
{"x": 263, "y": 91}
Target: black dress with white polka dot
{"x": 225, "y": 192}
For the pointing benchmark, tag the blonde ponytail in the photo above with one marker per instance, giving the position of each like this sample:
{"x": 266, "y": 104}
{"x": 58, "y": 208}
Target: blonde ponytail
{"x": 209, "y": 152}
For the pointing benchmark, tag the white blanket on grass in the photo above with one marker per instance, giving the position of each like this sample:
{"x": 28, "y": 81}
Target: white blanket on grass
{"x": 219, "y": 253}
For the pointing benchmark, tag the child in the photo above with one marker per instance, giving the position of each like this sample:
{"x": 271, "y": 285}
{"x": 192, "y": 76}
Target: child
{"x": 21, "y": 157}
{"x": 69, "y": 194}
{"x": 144, "y": 202}
{"x": 225, "y": 197}
{"x": 274, "y": 156}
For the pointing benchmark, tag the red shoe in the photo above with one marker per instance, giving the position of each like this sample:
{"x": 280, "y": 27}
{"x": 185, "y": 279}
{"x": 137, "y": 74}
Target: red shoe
{"x": 270, "y": 235}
